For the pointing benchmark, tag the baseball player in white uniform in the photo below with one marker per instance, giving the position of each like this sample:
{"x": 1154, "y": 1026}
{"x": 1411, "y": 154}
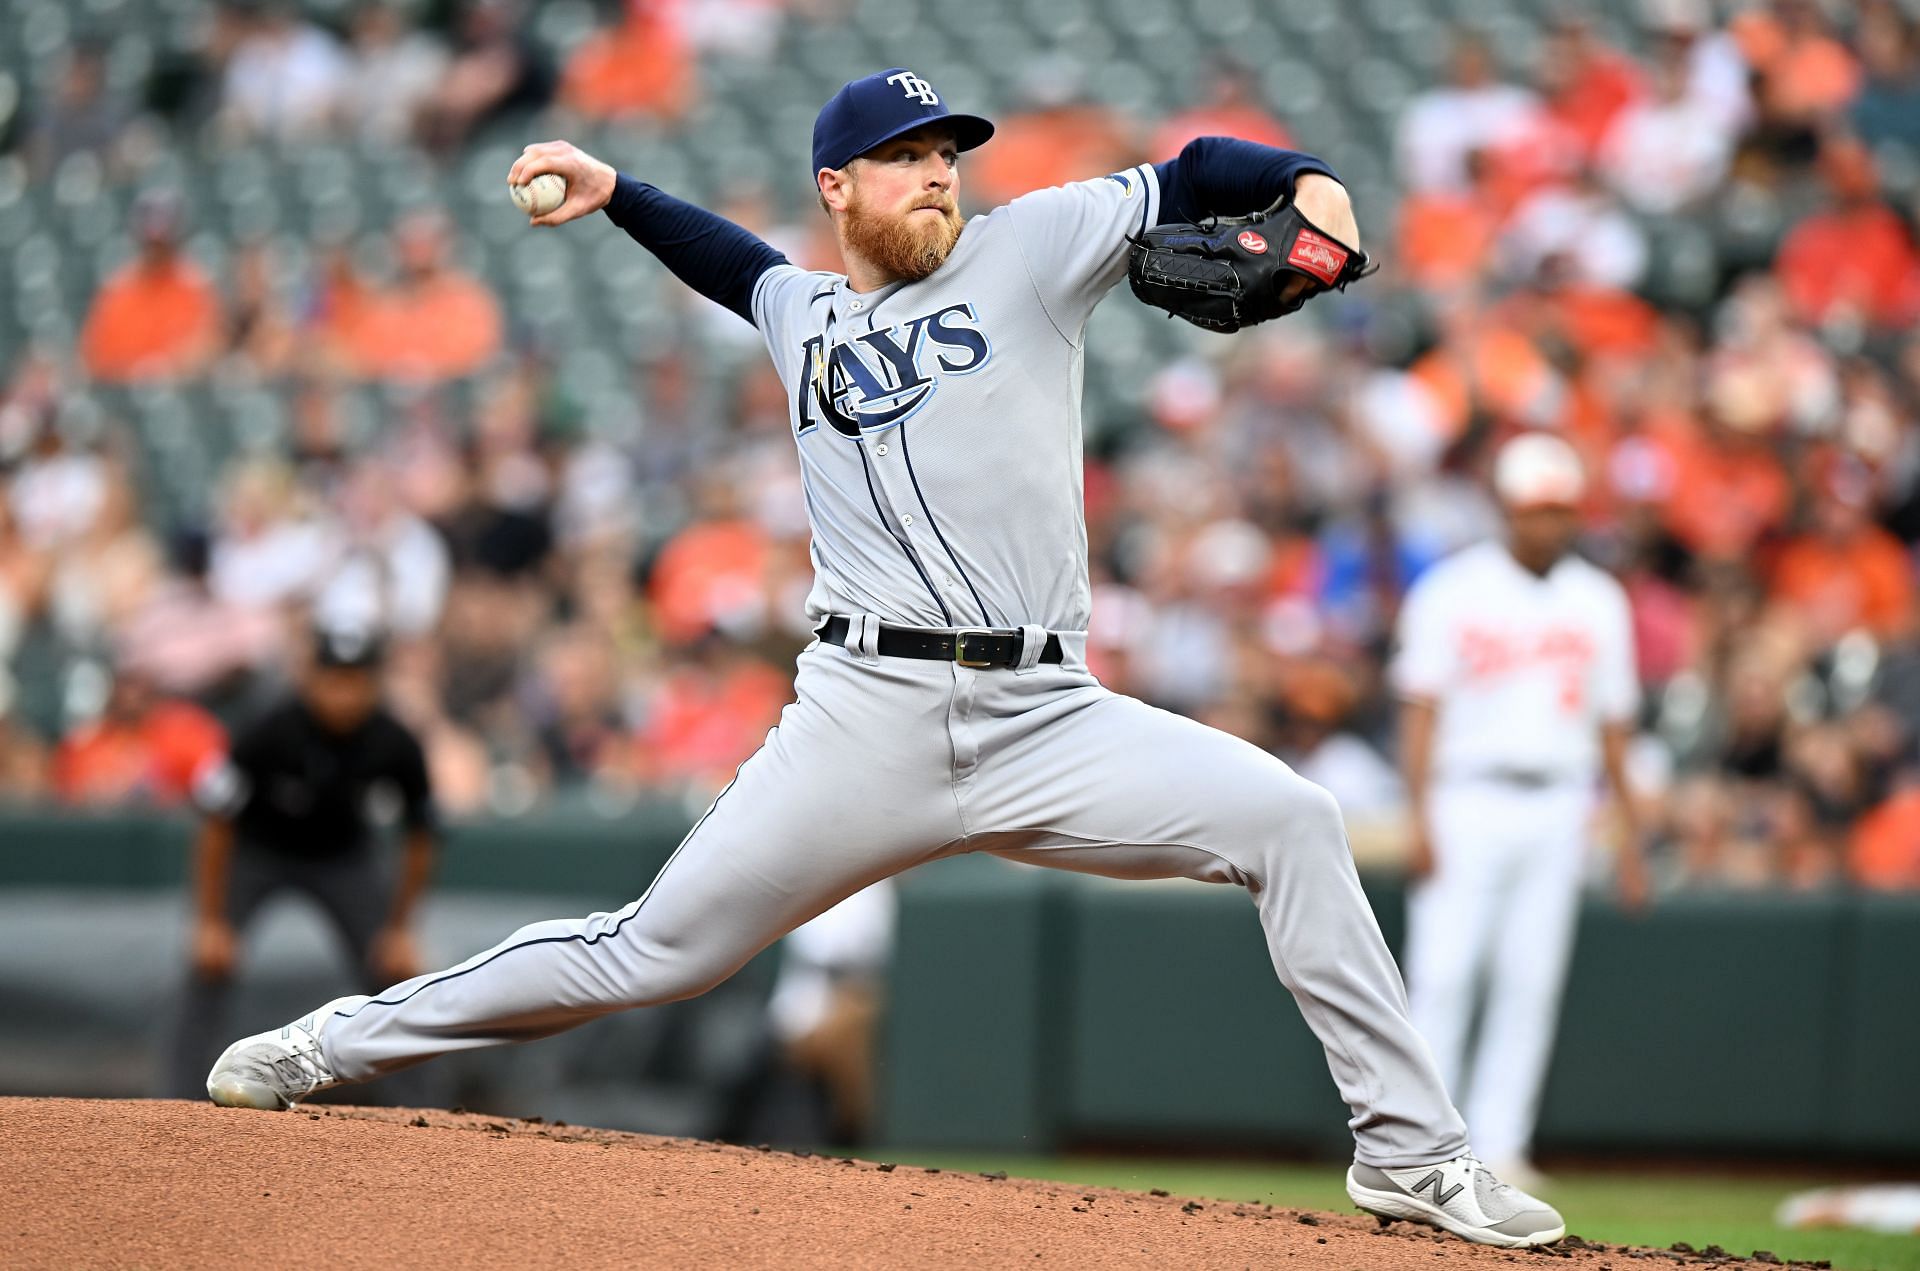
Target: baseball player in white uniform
{"x": 946, "y": 706}
{"x": 1516, "y": 669}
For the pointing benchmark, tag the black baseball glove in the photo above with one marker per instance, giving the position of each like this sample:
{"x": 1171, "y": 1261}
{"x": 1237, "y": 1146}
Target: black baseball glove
{"x": 1228, "y": 273}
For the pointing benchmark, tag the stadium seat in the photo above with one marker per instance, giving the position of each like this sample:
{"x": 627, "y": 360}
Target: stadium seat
{"x": 19, "y": 216}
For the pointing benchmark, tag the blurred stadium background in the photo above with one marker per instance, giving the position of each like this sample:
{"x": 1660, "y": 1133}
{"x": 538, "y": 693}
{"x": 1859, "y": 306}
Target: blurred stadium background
{"x": 275, "y": 347}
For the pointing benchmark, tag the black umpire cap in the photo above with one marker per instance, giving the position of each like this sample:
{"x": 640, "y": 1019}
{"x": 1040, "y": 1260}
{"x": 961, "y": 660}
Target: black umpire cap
{"x": 354, "y": 648}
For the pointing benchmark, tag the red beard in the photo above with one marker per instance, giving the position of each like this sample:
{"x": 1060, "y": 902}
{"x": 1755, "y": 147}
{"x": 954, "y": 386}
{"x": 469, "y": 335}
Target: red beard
{"x": 908, "y": 247}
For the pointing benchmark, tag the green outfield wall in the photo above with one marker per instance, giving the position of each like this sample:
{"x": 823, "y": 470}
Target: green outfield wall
{"x": 1034, "y": 1010}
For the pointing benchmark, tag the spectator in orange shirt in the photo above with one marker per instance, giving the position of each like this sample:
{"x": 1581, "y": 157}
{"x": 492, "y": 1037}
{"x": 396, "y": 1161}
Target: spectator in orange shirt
{"x": 1855, "y": 259}
{"x": 712, "y": 575}
{"x": 643, "y": 66}
{"x": 1586, "y": 84}
{"x": 158, "y": 317}
{"x": 143, "y": 748}
{"x": 342, "y": 299}
{"x": 1060, "y": 138}
{"x": 1847, "y": 574}
{"x": 1806, "y": 73}
{"x": 711, "y": 712}
{"x": 1231, "y": 109}
{"x": 1725, "y": 488}
{"x": 1885, "y": 851}
{"x": 1593, "y": 320}
{"x": 1445, "y": 234}
{"x": 1483, "y": 364}
{"x": 434, "y": 323}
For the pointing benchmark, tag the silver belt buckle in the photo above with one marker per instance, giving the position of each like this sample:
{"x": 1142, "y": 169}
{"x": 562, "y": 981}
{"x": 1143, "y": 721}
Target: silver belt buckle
{"x": 960, "y": 647}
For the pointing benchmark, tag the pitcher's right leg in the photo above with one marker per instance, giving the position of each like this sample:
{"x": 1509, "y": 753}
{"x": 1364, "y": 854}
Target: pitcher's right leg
{"x": 715, "y": 904}
{"x": 818, "y": 813}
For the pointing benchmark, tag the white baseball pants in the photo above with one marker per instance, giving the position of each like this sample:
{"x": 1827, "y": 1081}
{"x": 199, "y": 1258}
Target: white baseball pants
{"x": 1497, "y": 914}
{"x": 884, "y": 763}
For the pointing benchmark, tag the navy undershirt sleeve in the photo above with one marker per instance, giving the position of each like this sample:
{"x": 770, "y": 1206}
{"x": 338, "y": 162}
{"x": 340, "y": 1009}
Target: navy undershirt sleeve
{"x": 709, "y": 253}
{"x": 1225, "y": 176}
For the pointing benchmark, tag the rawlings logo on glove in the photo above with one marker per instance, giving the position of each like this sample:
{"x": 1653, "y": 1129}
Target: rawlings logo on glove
{"x": 1321, "y": 257}
{"x": 1229, "y": 273}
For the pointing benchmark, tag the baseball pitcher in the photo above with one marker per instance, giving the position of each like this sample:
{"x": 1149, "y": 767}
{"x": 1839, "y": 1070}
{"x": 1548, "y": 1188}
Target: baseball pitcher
{"x": 946, "y": 705}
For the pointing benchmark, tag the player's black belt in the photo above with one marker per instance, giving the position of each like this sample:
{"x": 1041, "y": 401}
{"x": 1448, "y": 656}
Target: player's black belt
{"x": 1524, "y": 778}
{"x": 976, "y": 648}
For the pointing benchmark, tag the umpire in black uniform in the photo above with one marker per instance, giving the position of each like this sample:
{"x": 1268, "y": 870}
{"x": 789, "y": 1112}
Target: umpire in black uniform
{"x": 291, "y": 809}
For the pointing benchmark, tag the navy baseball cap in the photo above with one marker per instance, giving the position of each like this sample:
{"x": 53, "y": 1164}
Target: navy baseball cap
{"x": 880, "y": 107}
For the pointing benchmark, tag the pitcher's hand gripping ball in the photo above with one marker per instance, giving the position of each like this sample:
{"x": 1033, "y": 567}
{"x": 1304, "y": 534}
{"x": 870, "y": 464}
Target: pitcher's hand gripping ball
{"x": 1233, "y": 272}
{"x": 540, "y": 195}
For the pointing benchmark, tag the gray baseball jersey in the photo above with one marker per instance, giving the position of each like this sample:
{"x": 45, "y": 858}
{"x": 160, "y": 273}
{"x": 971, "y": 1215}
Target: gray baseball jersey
{"x": 938, "y": 422}
{"x": 938, "y": 425}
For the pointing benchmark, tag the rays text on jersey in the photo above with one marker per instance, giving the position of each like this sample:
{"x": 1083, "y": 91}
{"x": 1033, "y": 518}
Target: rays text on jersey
{"x": 878, "y": 378}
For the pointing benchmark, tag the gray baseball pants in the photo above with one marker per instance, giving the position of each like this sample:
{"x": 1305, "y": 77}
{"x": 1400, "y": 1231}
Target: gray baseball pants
{"x": 885, "y": 763}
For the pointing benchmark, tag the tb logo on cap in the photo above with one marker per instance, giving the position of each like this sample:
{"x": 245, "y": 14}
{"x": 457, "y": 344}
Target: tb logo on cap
{"x": 913, "y": 86}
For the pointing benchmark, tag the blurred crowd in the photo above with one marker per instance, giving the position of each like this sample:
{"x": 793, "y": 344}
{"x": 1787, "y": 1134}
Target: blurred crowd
{"x": 579, "y": 616}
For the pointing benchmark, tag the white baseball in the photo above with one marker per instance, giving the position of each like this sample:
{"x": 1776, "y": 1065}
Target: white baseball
{"x": 540, "y": 195}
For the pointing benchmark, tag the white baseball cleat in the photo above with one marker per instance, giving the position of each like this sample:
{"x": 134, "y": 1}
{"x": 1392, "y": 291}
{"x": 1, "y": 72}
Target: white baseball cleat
{"x": 276, "y": 1069}
{"x": 1461, "y": 1196}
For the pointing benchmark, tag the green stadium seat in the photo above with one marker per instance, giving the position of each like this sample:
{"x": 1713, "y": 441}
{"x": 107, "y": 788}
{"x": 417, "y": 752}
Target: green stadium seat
{"x": 1225, "y": 22}
{"x": 45, "y": 30}
{"x": 560, "y": 25}
{"x": 39, "y": 664}
{"x": 257, "y": 421}
{"x": 1292, "y": 87}
{"x": 130, "y": 61}
{"x": 885, "y": 20}
{"x": 1899, "y": 165}
{"x": 1382, "y": 82}
{"x": 1683, "y": 264}
{"x": 19, "y": 213}
{"x": 1393, "y": 16}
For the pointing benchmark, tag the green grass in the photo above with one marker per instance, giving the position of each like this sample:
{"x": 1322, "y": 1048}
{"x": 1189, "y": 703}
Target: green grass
{"x": 1735, "y": 1213}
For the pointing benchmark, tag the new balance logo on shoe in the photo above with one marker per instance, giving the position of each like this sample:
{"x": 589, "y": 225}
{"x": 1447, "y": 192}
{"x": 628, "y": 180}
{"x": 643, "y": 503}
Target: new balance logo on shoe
{"x": 1439, "y": 1197}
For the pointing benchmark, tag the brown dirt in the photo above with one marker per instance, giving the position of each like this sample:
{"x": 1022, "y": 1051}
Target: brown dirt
{"x": 101, "y": 1183}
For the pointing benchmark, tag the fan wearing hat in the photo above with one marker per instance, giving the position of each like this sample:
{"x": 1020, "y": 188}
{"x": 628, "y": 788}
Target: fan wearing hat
{"x": 294, "y": 808}
{"x": 1516, "y": 673}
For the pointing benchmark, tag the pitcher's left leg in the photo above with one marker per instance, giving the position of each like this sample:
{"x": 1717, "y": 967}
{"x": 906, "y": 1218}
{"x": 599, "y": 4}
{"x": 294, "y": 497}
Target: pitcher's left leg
{"x": 1106, "y": 774}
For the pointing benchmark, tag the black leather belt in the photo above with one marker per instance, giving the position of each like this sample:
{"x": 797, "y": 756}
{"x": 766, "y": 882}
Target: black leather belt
{"x": 1524, "y": 778}
{"x": 976, "y": 648}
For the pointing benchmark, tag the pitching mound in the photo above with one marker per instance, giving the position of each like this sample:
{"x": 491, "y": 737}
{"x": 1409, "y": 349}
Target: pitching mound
{"x": 101, "y": 1183}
